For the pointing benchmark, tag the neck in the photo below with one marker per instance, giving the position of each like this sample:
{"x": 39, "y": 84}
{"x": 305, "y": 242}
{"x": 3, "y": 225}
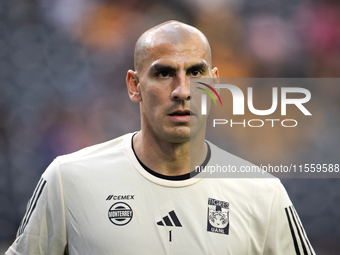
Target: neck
{"x": 168, "y": 158}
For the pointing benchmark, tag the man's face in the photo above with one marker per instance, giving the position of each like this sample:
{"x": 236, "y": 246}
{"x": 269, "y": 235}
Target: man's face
{"x": 168, "y": 110}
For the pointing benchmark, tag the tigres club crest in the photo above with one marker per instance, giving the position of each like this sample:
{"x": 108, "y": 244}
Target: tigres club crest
{"x": 218, "y": 216}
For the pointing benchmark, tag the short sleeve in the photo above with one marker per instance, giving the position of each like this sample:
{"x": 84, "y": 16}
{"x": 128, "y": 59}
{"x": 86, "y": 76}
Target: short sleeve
{"x": 286, "y": 234}
{"x": 43, "y": 228}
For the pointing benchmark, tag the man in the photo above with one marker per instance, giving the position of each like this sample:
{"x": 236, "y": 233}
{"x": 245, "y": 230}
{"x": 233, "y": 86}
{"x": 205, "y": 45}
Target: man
{"x": 134, "y": 194}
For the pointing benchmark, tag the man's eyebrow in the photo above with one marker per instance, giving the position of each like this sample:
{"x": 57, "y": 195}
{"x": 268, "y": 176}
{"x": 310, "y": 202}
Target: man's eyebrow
{"x": 201, "y": 66}
{"x": 160, "y": 67}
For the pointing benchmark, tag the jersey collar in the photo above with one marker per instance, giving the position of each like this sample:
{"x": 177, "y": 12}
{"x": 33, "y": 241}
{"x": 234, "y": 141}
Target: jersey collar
{"x": 163, "y": 180}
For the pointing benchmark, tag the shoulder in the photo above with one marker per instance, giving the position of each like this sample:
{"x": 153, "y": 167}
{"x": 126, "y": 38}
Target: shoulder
{"x": 101, "y": 150}
{"x": 87, "y": 162}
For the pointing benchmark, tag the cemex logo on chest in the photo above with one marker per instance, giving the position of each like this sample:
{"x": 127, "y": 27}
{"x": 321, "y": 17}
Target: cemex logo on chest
{"x": 120, "y": 197}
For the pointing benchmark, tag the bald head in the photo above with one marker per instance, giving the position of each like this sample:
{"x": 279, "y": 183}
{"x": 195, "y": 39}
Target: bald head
{"x": 174, "y": 32}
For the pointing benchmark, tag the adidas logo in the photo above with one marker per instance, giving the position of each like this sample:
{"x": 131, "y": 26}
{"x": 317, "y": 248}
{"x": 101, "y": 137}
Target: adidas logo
{"x": 166, "y": 220}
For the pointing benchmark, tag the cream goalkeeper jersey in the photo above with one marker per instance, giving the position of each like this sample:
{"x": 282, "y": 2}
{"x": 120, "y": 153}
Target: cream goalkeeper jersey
{"x": 102, "y": 200}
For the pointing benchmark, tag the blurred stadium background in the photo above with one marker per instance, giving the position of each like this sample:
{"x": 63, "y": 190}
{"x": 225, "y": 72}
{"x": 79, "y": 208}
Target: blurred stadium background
{"x": 62, "y": 83}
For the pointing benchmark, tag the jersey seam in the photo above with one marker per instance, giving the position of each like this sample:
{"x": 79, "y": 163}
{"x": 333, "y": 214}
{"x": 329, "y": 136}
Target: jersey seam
{"x": 271, "y": 213}
{"x": 11, "y": 249}
{"x": 62, "y": 197}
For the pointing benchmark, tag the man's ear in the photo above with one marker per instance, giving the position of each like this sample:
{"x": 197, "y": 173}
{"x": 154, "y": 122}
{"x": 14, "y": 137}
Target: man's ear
{"x": 132, "y": 83}
{"x": 216, "y": 77}
{"x": 215, "y": 74}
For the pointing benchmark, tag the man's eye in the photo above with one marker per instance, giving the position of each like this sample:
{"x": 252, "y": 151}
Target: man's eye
{"x": 163, "y": 74}
{"x": 195, "y": 73}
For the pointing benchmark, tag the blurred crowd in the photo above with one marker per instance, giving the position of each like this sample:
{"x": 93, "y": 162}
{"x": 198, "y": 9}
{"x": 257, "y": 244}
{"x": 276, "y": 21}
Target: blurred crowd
{"x": 62, "y": 84}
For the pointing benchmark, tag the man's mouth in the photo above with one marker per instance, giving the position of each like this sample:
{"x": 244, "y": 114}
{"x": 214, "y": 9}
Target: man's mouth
{"x": 181, "y": 113}
{"x": 181, "y": 116}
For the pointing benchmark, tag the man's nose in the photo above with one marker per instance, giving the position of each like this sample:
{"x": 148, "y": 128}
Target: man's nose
{"x": 181, "y": 90}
